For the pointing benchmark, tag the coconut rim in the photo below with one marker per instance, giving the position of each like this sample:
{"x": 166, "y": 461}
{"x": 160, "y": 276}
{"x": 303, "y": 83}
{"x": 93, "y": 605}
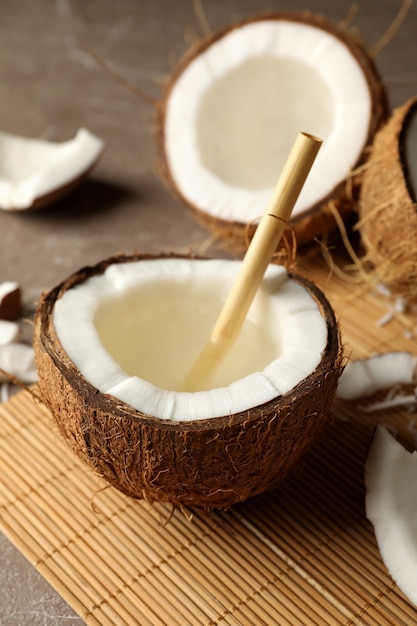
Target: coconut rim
{"x": 410, "y": 109}
{"x": 49, "y": 342}
{"x": 377, "y": 93}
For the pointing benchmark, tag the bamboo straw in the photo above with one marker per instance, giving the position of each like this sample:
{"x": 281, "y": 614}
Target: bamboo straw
{"x": 257, "y": 258}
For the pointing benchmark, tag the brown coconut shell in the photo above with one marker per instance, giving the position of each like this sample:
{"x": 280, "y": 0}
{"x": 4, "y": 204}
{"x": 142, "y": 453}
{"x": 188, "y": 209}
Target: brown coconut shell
{"x": 57, "y": 194}
{"x": 211, "y": 463}
{"x": 388, "y": 209}
{"x": 319, "y": 218}
{"x": 11, "y": 304}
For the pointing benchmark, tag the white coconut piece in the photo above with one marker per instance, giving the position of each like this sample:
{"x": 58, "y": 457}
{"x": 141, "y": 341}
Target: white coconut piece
{"x": 233, "y": 113}
{"x": 4, "y": 392}
{"x": 364, "y": 377}
{"x": 9, "y": 332}
{"x": 391, "y": 506}
{"x": 17, "y": 359}
{"x": 383, "y": 290}
{"x": 136, "y": 330}
{"x": 34, "y": 171}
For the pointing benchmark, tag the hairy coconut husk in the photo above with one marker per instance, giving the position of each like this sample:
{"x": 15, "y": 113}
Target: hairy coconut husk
{"x": 318, "y": 219}
{"x": 210, "y": 463}
{"x": 388, "y": 209}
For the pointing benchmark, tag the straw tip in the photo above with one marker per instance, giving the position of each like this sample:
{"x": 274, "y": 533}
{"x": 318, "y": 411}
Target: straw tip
{"x": 312, "y": 137}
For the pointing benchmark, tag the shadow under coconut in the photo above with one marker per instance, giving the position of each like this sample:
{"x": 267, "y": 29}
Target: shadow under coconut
{"x": 91, "y": 198}
{"x": 323, "y": 499}
{"x": 311, "y": 535}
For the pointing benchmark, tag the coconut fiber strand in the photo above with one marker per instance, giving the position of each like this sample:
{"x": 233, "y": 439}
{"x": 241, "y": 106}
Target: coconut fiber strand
{"x": 301, "y": 555}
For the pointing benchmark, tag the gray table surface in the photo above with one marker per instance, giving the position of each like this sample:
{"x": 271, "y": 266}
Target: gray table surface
{"x": 50, "y": 85}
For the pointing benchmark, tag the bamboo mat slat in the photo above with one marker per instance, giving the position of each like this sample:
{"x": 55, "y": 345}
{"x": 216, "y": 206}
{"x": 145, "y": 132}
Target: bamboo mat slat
{"x": 302, "y": 555}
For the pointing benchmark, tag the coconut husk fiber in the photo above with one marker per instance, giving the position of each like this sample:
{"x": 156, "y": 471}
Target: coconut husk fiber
{"x": 210, "y": 463}
{"x": 387, "y": 208}
{"x": 318, "y": 219}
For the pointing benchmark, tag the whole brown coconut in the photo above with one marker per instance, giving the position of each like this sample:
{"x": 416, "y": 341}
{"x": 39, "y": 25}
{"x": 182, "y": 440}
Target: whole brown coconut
{"x": 387, "y": 208}
{"x": 315, "y": 218}
{"x": 209, "y": 463}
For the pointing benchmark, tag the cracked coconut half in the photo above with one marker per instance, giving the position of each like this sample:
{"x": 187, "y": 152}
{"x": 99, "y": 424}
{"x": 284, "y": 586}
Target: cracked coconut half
{"x": 235, "y": 103}
{"x": 115, "y": 342}
{"x": 388, "y": 203}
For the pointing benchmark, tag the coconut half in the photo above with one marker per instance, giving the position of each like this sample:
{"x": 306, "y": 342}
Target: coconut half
{"x": 110, "y": 377}
{"x": 35, "y": 173}
{"x": 387, "y": 208}
{"x": 391, "y": 506}
{"x": 238, "y": 99}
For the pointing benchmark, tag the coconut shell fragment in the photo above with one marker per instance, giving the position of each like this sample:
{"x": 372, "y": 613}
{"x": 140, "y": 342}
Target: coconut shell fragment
{"x": 388, "y": 208}
{"x": 36, "y": 173}
{"x": 362, "y": 378}
{"x": 10, "y": 301}
{"x": 207, "y": 463}
{"x": 235, "y": 223}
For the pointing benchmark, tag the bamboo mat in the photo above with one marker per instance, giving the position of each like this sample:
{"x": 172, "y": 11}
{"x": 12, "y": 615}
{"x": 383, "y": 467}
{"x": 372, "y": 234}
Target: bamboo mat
{"x": 305, "y": 555}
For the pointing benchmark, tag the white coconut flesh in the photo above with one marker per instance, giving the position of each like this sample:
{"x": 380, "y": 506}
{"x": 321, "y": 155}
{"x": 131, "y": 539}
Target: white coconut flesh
{"x": 364, "y": 377}
{"x": 391, "y": 506}
{"x": 33, "y": 168}
{"x": 233, "y": 114}
{"x": 136, "y": 330}
{"x": 9, "y": 332}
{"x": 18, "y": 360}
{"x": 411, "y": 152}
